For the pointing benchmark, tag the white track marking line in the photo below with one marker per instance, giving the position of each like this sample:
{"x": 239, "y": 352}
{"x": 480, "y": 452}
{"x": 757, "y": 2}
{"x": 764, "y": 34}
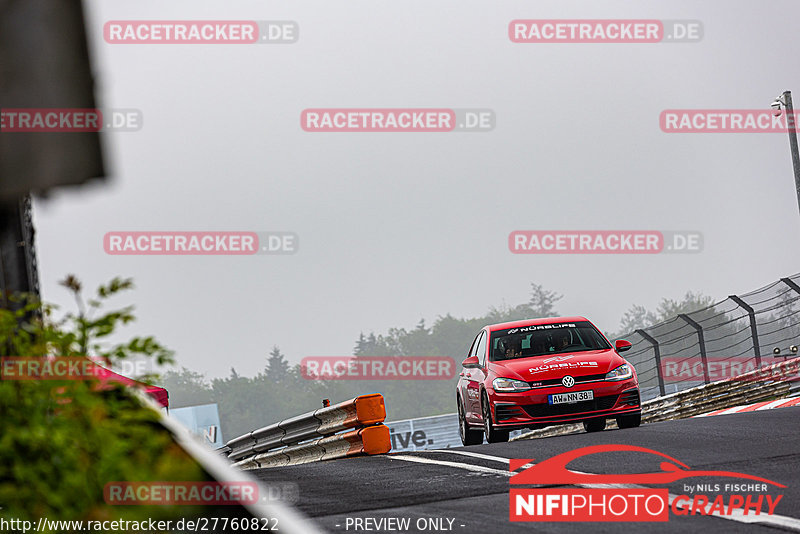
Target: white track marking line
{"x": 468, "y": 467}
{"x": 472, "y": 454}
{"x": 479, "y": 455}
{"x": 736, "y": 515}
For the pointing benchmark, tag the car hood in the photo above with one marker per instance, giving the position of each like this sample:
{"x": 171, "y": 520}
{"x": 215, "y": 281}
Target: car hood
{"x": 558, "y": 365}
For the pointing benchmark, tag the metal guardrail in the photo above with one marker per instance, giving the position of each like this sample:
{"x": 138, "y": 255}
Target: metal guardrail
{"x": 703, "y": 346}
{"x": 289, "y": 442}
{"x": 769, "y": 382}
{"x": 368, "y": 440}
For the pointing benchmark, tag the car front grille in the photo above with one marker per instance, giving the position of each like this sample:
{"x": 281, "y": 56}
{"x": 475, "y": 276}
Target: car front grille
{"x": 557, "y": 381}
{"x": 549, "y": 410}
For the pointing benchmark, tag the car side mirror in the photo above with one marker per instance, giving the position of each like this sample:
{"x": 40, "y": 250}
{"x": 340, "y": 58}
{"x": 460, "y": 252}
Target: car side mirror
{"x": 621, "y": 345}
{"x": 470, "y": 363}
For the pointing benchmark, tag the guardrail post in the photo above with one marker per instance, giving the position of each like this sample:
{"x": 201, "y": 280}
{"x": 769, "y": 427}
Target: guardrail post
{"x": 753, "y": 326}
{"x": 657, "y": 352}
{"x": 702, "y": 340}
{"x": 791, "y": 283}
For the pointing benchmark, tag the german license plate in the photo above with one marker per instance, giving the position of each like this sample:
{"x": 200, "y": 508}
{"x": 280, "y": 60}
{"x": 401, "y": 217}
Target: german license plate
{"x": 569, "y": 398}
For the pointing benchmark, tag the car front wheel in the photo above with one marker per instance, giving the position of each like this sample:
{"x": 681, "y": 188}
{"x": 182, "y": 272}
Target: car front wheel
{"x": 468, "y": 435}
{"x": 594, "y": 425}
{"x": 493, "y": 435}
{"x": 629, "y": 421}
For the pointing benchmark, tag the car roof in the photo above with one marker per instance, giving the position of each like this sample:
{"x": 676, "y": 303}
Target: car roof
{"x": 529, "y": 322}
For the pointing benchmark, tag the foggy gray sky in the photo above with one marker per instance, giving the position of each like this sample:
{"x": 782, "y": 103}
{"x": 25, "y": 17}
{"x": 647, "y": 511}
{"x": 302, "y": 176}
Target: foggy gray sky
{"x": 395, "y": 227}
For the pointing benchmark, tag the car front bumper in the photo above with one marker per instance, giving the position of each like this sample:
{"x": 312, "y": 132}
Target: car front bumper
{"x": 531, "y": 408}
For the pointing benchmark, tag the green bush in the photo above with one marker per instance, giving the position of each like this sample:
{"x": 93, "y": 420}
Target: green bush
{"x": 62, "y": 441}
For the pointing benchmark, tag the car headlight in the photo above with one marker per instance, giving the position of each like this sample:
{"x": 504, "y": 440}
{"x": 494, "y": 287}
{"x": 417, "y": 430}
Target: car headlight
{"x": 623, "y": 372}
{"x": 509, "y": 384}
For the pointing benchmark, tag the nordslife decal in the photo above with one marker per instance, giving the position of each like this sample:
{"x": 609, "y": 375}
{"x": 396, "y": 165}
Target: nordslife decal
{"x": 563, "y": 366}
{"x": 535, "y": 327}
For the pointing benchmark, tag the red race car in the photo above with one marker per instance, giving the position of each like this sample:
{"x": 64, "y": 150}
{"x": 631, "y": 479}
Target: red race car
{"x": 542, "y": 372}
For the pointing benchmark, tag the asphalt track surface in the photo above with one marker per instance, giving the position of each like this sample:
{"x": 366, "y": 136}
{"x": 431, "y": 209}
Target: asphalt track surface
{"x": 469, "y": 485}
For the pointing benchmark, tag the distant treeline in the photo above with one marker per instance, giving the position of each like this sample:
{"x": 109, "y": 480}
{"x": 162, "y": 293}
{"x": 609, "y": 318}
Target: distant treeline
{"x": 280, "y": 390}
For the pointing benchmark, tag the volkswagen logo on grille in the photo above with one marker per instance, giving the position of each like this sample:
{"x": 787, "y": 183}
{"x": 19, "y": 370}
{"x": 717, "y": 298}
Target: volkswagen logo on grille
{"x": 567, "y": 381}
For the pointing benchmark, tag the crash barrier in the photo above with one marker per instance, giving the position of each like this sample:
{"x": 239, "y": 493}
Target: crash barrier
{"x": 369, "y": 440}
{"x": 315, "y": 436}
{"x": 738, "y": 334}
{"x": 768, "y": 382}
{"x": 426, "y": 433}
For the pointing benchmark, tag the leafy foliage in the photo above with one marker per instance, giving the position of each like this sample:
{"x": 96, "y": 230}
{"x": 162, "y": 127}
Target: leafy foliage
{"x": 62, "y": 441}
{"x": 638, "y": 316}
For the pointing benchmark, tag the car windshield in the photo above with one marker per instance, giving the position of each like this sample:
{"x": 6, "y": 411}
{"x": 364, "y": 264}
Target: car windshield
{"x": 546, "y": 339}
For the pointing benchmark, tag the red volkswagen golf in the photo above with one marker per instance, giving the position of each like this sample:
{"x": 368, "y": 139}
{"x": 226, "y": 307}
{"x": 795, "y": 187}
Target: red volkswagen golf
{"x": 536, "y": 373}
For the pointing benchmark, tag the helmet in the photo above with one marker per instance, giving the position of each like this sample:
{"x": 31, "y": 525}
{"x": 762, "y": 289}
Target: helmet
{"x": 511, "y": 346}
{"x": 564, "y": 340}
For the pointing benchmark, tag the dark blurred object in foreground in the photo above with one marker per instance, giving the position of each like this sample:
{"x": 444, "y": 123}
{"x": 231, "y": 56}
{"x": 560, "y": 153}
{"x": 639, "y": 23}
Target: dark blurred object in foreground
{"x": 44, "y": 63}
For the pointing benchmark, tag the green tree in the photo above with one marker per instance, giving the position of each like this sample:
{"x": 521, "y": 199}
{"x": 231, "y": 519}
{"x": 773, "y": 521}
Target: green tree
{"x": 542, "y": 301}
{"x": 277, "y": 365}
{"x": 186, "y": 388}
{"x": 635, "y": 318}
{"x": 639, "y": 317}
{"x": 691, "y": 302}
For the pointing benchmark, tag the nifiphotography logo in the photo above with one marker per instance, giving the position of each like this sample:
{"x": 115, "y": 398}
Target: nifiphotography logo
{"x": 629, "y": 497}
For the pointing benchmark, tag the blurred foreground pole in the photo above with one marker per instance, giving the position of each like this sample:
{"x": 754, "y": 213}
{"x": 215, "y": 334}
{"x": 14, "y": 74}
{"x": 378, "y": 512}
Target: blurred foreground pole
{"x": 18, "y": 272}
{"x": 44, "y": 63}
